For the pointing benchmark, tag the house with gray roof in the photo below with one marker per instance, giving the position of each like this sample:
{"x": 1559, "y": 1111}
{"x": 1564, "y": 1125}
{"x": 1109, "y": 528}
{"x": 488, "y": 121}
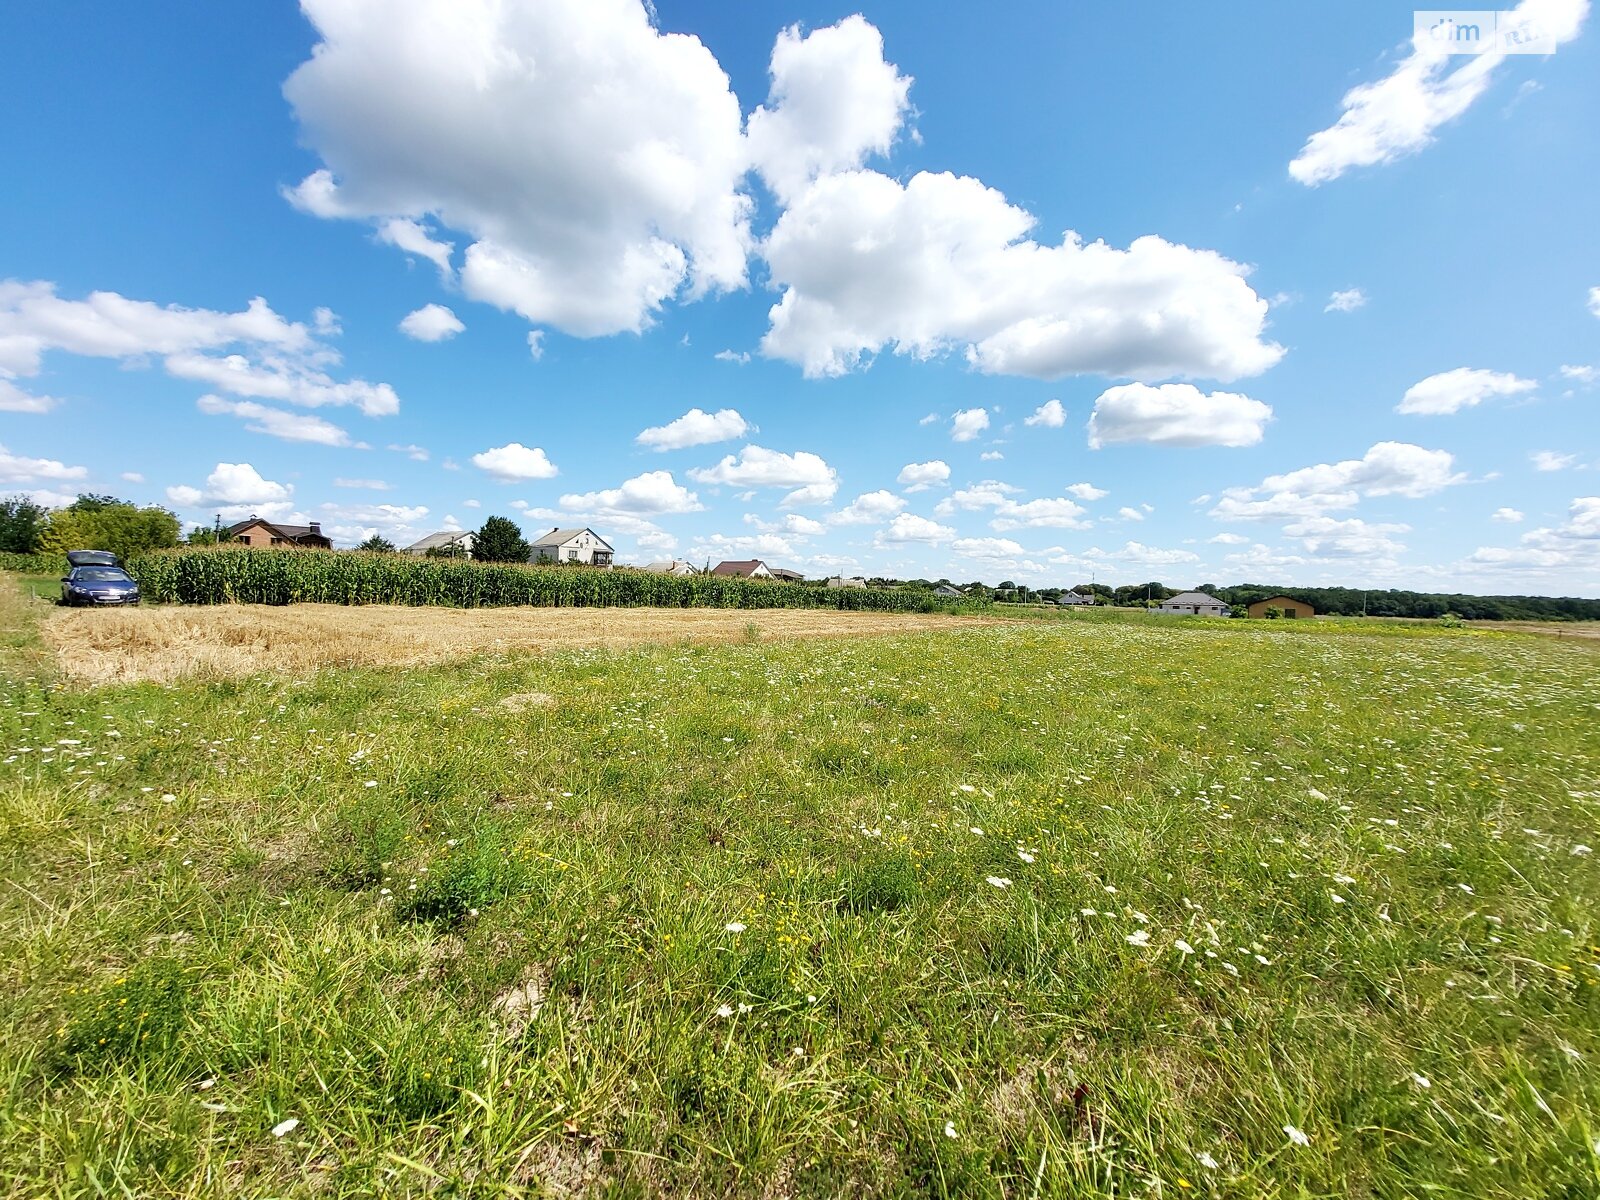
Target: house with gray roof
{"x": 455, "y": 542}
{"x": 1195, "y": 604}
{"x": 572, "y": 546}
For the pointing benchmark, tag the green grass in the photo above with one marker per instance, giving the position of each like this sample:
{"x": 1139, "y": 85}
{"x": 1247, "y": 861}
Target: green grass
{"x": 477, "y": 952}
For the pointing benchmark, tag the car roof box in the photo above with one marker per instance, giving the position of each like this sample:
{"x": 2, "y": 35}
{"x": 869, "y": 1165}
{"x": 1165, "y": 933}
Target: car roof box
{"x": 92, "y": 558}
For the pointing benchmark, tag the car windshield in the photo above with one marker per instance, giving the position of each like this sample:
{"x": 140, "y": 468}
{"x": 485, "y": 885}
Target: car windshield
{"x": 100, "y": 575}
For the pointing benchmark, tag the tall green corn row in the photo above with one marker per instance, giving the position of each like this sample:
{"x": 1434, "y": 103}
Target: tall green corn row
{"x": 34, "y": 564}
{"x": 231, "y": 575}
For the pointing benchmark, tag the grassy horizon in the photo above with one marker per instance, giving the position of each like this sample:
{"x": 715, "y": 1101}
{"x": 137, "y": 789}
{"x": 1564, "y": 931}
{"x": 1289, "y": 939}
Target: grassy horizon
{"x": 1059, "y": 908}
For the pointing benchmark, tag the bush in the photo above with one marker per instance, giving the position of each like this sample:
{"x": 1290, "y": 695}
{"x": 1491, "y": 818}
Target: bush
{"x": 241, "y": 575}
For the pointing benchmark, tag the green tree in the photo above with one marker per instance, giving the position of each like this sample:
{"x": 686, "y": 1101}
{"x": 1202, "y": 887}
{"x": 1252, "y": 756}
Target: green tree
{"x": 202, "y": 535}
{"x": 119, "y": 527}
{"x": 500, "y": 541}
{"x": 93, "y": 502}
{"x": 22, "y": 525}
{"x": 377, "y": 545}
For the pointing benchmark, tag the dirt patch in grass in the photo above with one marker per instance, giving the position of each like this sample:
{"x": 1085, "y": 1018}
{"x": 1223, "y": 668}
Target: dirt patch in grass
{"x": 99, "y": 646}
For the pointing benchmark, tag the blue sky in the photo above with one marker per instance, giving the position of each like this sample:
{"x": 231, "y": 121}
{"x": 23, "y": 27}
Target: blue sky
{"x": 1332, "y": 314}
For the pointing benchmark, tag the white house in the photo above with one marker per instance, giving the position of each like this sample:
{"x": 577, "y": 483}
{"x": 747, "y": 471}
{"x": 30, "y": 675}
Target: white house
{"x": 572, "y": 546}
{"x": 448, "y": 541}
{"x": 743, "y": 568}
{"x": 846, "y": 581}
{"x": 1070, "y": 598}
{"x": 1195, "y": 604}
{"x": 944, "y": 589}
{"x": 672, "y": 566}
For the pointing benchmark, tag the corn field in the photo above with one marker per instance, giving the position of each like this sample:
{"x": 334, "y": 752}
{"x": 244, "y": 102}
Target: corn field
{"x": 34, "y": 564}
{"x": 265, "y": 576}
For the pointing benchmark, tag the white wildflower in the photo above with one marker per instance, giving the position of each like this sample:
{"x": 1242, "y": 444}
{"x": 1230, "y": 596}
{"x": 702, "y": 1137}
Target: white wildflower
{"x": 1297, "y": 1135}
{"x": 1184, "y": 946}
{"x": 999, "y": 881}
{"x": 1139, "y": 937}
{"x": 950, "y": 1130}
{"x": 283, "y": 1127}
{"x": 1421, "y": 1081}
{"x": 1206, "y": 1161}
{"x": 725, "y": 1011}
{"x": 734, "y": 927}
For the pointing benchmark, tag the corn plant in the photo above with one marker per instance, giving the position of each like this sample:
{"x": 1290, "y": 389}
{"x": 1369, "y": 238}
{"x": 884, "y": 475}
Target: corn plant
{"x": 239, "y": 575}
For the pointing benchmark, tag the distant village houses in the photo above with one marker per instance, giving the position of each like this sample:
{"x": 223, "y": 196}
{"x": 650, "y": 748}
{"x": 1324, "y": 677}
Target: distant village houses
{"x": 572, "y": 546}
{"x": 259, "y": 532}
{"x": 846, "y": 581}
{"x": 1287, "y": 607}
{"x": 454, "y": 542}
{"x": 1197, "y": 604}
{"x": 672, "y": 566}
{"x": 747, "y": 568}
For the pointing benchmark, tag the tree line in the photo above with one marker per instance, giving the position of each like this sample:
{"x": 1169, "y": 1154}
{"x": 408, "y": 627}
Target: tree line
{"x": 1332, "y": 601}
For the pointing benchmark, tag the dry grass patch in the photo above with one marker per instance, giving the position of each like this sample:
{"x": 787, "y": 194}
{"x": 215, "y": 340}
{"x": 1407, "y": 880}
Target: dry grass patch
{"x": 97, "y": 646}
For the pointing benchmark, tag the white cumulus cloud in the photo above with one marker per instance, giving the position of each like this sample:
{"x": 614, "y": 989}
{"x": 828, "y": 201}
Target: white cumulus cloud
{"x": 1399, "y": 114}
{"x": 593, "y": 162}
{"x": 834, "y": 101}
{"x": 967, "y": 424}
{"x": 275, "y": 422}
{"x": 18, "y": 468}
{"x": 943, "y": 263}
{"x": 813, "y": 481}
{"x": 919, "y": 477}
{"x": 431, "y": 323}
{"x": 1451, "y": 391}
{"x": 237, "y": 490}
{"x": 1049, "y": 414}
{"x": 274, "y": 358}
{"x": 695, "y": 428}
{"x": 1552, "y": 460}
{"x": 988, "y": 549}
{"x": 1387, "y": 469}
{"x": 14, "y": 399}
{"x": 1176, "y": 414}
{"x": 869, "y": 508}
{"x": 908, "y": 527}
{"x": 515, "y": 462}
{"x": 649, "y": 493}
{"x": 1346, "y": 301}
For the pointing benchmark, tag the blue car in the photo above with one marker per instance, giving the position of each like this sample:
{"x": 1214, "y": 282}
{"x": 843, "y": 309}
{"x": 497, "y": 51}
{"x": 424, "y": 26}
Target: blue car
{"x": 96, "y": 578}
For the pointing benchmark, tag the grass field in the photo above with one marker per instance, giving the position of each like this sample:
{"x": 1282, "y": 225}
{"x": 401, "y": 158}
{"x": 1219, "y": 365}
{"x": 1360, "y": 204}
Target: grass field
{"x": 1047, "y": 908}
